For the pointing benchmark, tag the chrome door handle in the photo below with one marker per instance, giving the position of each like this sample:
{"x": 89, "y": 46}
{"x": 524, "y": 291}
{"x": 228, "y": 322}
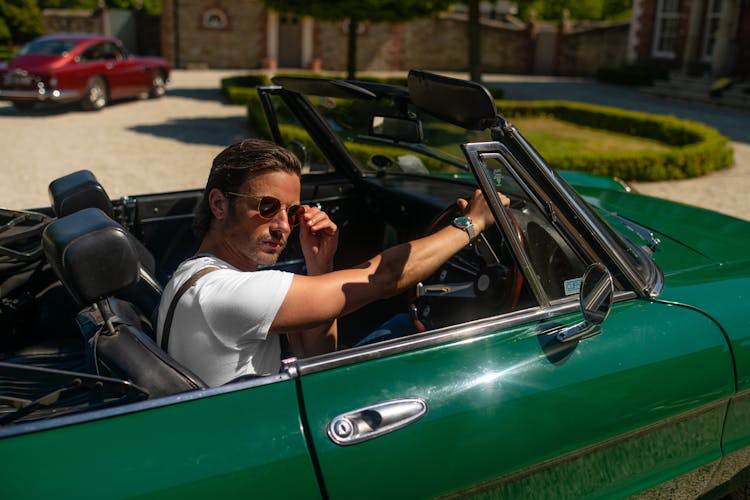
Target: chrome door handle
{"x": 373, "y": 421}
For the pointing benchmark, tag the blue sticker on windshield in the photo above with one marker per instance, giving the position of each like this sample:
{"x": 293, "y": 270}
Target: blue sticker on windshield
{"x": 573, "y": 286}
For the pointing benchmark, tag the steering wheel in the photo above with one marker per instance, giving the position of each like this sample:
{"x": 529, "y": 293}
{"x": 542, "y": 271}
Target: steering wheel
{"x": 484, "y": 276}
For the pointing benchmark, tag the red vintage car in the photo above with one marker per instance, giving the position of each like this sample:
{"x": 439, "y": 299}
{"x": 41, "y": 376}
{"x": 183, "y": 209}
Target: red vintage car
{"x": 90, "y": 69}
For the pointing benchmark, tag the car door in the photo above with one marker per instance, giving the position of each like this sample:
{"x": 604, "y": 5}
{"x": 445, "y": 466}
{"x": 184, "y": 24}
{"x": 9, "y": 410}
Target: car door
{"x": 499, "y": 406}
{"x": 237, "y": 441}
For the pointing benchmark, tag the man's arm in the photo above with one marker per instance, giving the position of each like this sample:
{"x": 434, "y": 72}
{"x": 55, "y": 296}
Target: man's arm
{"x": 313, "y": 301}
{"x": 319, "y": 241}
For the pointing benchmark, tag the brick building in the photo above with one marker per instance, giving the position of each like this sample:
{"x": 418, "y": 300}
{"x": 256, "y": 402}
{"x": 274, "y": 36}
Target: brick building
{"x": 694, "y": 37}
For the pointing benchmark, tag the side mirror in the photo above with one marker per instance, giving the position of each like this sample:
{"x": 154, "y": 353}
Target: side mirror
{"x": 396, "y": 128}
{"x": 595, "y": 297}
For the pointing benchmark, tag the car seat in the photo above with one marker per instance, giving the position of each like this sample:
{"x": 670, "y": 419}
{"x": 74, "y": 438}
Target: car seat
{"x": 80, "y": 190}
{"x": 96, "y": 259}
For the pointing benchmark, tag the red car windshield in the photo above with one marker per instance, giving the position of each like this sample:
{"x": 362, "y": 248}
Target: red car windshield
{"x": 55, "y": 47}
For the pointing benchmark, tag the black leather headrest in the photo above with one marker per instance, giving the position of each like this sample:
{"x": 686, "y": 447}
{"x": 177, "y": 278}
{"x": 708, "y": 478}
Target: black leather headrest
{"x": 76, "y": 191}
{"x": 92, "y": 255}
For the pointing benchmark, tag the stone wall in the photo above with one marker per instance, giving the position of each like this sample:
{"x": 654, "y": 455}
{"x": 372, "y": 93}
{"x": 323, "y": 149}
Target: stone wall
{"x": 375, "y": 45}
{"x": 583, "y": 50}
{"x": 239, "y": 44}
{"x": 437, "y": 43}
{"x": 442, "y": 44}
{"x": 72, "y": 21}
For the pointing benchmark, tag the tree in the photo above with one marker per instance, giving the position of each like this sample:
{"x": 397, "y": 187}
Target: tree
{"x": 359, "y": 11}
{"x": 594, "y": 10}
{"x": 4, "y": 30}
{"x": 23, "y": 18}
{"x": 475, "y": 42}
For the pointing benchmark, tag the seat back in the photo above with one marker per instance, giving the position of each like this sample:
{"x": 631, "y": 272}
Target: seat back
{"x": 80, "y": 190}
{"x": 95, "y": 259}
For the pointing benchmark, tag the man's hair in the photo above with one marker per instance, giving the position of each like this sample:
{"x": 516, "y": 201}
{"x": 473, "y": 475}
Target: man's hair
{"x": 237, "y": 164}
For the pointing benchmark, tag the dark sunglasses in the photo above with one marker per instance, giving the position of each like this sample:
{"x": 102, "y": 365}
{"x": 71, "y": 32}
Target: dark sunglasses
{"x": 268, "y": 207}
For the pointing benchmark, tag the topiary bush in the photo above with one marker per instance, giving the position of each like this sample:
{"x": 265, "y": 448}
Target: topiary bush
{"x": 237, "y": 88}
{"x": 696, "y": 149}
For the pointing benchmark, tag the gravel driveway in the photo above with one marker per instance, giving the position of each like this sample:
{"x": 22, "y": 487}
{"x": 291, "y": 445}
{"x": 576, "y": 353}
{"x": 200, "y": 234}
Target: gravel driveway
{"x": 143, "y": 146}
{"x": 136, "y": 146}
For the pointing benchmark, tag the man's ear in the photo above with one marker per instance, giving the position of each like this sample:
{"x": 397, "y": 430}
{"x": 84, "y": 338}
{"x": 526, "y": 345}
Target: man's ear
{"x": 218, "y": 203}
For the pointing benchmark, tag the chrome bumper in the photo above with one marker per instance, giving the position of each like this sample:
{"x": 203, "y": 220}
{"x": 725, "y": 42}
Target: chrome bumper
{"x": 40, "y": 95}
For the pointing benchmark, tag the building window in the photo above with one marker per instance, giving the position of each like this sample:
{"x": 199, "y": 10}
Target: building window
{"x": 214, "y": 19}
{"x": 713, "y": 15}
{"x": 665, "y": 29}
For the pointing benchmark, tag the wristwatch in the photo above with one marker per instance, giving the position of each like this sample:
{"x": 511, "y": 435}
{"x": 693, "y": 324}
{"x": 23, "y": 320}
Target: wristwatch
{"x": 465, "y": 224}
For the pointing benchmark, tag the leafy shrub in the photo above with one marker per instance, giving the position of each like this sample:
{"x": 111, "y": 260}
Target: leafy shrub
{"x": 235, "y": 88}
{"x": 7, "y": 52}
{"x": 696, "y": 149}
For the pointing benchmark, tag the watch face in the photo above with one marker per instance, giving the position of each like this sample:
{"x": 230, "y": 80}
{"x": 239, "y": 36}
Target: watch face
{"x": 462, "y": 221}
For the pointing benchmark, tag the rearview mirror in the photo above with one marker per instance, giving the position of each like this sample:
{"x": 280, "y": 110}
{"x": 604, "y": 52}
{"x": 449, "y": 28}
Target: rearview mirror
{"x": 396, "y": 128}
{"x": 595, "y": 298}
{"x": 466, "y": 104}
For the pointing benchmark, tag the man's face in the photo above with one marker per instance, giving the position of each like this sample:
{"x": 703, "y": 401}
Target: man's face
{"x": 253, "y": 240}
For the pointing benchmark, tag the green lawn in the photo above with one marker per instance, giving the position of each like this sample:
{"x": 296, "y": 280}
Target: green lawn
{"x": 550, "y": 134}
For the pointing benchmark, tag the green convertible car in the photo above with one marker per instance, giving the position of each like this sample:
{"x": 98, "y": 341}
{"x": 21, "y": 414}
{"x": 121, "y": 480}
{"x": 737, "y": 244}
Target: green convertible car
{"x": 593, "y": 343}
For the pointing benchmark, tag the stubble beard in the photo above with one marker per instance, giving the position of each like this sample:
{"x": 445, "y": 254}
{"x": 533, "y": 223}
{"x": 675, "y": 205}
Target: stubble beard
{"x": 265, "y": 255}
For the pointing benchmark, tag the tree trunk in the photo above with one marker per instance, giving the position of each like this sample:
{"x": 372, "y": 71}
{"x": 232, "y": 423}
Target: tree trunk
{"x": 351, "y": 54}
{"x": 475, "y": 46}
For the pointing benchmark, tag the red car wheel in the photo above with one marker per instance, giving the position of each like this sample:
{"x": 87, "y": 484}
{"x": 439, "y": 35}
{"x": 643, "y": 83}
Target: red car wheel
{"x": 96, "y": 96}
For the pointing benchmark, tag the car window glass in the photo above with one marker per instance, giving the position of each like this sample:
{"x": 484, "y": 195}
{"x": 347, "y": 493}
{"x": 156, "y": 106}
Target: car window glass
{"x": 92, "y": 53}
{"x": 296, "y": 138}
{"x": 438, "y": 153}
{"x": 101, "y": 52}
{"x": 111, "y": 51}
{"x": 554, "y": 262}
{"x": 48, "y": 47}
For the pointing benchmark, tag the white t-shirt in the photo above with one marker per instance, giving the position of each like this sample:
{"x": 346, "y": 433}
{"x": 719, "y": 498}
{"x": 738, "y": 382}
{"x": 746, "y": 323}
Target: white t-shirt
{"x": 220, "y": 325}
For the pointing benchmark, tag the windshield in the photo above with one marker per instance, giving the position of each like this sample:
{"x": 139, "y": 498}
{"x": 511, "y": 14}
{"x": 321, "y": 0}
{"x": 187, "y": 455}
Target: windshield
{"x": 421, "y": 144}
{"x": 48, "y": 47}
{"x": 439, "y": 151}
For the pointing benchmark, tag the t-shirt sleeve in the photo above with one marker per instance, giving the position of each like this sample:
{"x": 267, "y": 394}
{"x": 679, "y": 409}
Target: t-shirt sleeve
{"x": 240, "y": 306}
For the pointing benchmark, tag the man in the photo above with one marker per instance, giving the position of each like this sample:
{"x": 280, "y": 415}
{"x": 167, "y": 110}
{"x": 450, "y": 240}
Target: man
{"x": 227, "y": 323}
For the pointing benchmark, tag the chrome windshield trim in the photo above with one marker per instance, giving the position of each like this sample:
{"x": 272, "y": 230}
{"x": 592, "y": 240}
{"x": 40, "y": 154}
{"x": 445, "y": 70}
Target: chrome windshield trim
{"x": 593, "y": 226}
{"x": 476, "y": 153}
{"x": 432, "y": 338}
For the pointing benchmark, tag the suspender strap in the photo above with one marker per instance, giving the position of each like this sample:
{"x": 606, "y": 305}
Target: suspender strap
{"x": 173, "y": 305}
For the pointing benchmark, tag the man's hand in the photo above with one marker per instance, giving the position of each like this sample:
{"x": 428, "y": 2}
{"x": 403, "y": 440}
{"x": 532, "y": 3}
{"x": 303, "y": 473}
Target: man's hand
{"x": 477, "y": 209}
{"x": 319, "y": 238}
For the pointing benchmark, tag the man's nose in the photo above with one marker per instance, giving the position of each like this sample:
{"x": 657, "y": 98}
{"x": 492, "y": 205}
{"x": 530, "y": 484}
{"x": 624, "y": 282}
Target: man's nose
{"x": 280, "y": 222}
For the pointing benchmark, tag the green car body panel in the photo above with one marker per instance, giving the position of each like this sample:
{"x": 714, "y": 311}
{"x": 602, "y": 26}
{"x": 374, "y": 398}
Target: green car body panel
{"x": 253, "y": 446}
{"x": 493, "y": 413}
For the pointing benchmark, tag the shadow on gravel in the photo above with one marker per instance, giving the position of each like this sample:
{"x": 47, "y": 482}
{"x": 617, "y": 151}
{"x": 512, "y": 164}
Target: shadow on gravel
{"x": 211, "y": 131}
{"x": 197, "y": 94}
{"x": 41, "y": 109}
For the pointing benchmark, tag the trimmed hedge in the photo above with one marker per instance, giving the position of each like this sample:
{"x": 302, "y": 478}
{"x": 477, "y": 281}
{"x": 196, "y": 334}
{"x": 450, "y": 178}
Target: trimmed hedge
{"x": 696, "y": 149}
